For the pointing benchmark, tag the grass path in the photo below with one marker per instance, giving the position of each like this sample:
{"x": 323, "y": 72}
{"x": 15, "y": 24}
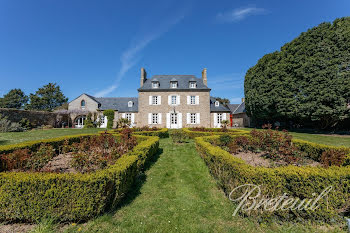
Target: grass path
{"x": 177, "y": 194}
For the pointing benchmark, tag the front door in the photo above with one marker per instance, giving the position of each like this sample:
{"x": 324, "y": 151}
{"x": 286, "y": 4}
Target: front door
{"x": 174, "y": 120}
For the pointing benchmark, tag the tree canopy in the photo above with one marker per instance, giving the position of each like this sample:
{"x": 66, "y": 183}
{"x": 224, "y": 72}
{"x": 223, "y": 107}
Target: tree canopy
{"x": 307, "y": 82}
{"x": 15, "y": 98}
{"x": 47, "y": 98}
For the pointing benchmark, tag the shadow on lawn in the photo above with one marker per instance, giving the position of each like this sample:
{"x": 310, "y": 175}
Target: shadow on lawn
{"x": 3, "y": 142}
{"x": 139, "y": 181}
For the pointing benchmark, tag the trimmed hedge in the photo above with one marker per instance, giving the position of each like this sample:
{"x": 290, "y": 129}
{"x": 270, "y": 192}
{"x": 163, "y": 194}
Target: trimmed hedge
{"x": 161, "y": 133}
{"x": 28, "y": 197}
{"x": 213, "y": 131}
{"x": 297, "y": 182}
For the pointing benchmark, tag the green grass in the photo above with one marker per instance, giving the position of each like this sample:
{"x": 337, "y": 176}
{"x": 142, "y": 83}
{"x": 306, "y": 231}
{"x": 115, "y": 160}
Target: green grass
{"x": 177, "y": 194}
{"x": 333, "y": 140}
{"x": 18, "y": 137}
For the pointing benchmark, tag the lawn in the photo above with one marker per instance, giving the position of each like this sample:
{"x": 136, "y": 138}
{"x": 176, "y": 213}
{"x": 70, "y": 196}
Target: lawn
{"x": 18, "y": 137}
{"x": 333, "y": 140}
{"x": 176, "y": 194}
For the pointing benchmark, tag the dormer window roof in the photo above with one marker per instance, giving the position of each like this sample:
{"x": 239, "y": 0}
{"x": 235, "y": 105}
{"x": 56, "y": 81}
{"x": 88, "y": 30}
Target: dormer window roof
{"x": 217, "y": 103}
{"x": 173, "y": 84}
{"x": 155, "y": 84}
{"x": 130, "y": 104}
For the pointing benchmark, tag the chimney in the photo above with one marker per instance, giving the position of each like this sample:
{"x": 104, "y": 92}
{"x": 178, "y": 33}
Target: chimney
{"x": 243, "y": 99}
{"x": 204, "y": 76}
{"x": 143, "y": 76}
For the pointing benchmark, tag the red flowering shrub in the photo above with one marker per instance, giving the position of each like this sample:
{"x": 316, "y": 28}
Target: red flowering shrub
{"x": 333, "y": 157}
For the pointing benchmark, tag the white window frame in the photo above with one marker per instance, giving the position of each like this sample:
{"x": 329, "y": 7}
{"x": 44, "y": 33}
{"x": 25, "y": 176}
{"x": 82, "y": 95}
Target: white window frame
{"x": 173, "y": 97}
{"x": 193, "y": 100}
{"x": 217, "y": 103}
{"x": 219, "y": 118}
{"x": 173, "y": 84}
{"x": 154, "y": 100}
{"x": 155, "y": 84}
{"x": 155, "y": 118}
{"x": 193, "y": 84}
{"x": 130, "y": 103}
{"x": 193, "y": 118}
{"x": 128, "y": 116}
{"x": 81, "y": 104}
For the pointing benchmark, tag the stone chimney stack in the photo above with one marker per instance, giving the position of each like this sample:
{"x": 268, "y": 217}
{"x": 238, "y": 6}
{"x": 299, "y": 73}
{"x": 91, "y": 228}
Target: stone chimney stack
{"x": 143, "y": 76}
{"x": 204, "y": 76}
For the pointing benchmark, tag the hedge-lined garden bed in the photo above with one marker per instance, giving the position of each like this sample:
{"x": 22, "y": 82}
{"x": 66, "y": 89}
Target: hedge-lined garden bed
{"x": 200, "y": 132}
{"x": 146, "y": 131}
{"x": 296, "y": 181}
{"x": 29, "y": 196}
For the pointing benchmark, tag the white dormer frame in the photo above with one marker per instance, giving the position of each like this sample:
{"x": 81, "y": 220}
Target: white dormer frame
{"x": 155, "y": 84}
{"x": 217, "y": 103}
{"x": 130, "y": 104}
{"x": 193, "y": 84}
{"x": 173, "y": 84}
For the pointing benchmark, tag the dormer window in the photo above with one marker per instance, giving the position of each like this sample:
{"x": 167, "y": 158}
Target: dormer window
{"x": 155, "y": 84}
{"x": 173, "y": 84}
{"x": 82, "y": 104}
{"x": 217, "y": 103}
{"x": 193, "y": 85}
{"x": 130, "y": 103}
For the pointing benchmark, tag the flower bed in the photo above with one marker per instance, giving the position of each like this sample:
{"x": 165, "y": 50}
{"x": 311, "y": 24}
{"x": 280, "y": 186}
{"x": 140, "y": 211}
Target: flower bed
{"x": 200, "y": 132}
{"x": 295, "y": 181}
{"x": 29, "y": 196}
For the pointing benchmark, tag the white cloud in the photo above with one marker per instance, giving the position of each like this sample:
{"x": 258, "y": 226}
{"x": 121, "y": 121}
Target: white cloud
{"x": 240, "y": 14}
{"x": 132, "y": 55}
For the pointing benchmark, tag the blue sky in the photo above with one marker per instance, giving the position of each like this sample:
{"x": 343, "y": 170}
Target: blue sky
{"x": 98, "y": 47}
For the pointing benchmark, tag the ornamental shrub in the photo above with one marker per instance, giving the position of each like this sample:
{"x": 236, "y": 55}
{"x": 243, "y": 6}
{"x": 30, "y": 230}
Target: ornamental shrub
{"x": 109, "y": 113}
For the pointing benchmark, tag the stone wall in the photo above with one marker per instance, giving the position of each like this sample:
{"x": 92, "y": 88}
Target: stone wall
{"x": 241, "y": 119}
{"x": 37, "y": 118}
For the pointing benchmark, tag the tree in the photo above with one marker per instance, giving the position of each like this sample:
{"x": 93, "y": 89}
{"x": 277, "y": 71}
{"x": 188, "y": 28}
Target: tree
{"x": 47, "y": 98}
{"x": 306, "y": 82}
{"x": 15, "y": 98}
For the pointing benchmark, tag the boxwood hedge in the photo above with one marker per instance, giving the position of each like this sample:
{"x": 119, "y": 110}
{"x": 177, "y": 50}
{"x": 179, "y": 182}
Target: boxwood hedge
{"x": 297, "y": 182}
{"x": 27, "y": 197}
{"x": 213, "y": 131}
{"x": 161, "y": 133}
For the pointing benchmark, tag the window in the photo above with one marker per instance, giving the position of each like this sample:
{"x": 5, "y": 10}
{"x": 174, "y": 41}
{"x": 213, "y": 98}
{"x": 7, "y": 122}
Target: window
{"x": 82, "y": 104}
{"x": 102, "y": 119}
{"x": 173, "y": 99}
{"x": 130, "y": 103}
{"x": 173, "y": 84}
{"x": 128, "y": 116}
{"x": 154, "y": 100}
{"x": 217, "y": 103}
{"x": 192, "y": 84}
{"x": 193, "y": 99}
{"x": 155, "y": 84}
{"x": 219, "y": 118}
{"x": 193, "y": 118}
{"x": 154, "y": 118}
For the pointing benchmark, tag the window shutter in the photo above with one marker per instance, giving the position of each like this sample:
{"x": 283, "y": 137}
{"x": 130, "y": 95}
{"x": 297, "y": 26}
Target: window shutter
{"x": 197, "y": 99}
{"x": 150, "y": 100}
{"x": 188, "y": 118}
{"x": 224, "y": 116}
{"x": 123, "y": 115}
{"x": 178, "y": 100}
{"x": 132, "y": 118}
{"x": 188, "y": 100}
{"x": 169, "y": 99}
{"x": 149, "y": 118}
{"x": 180, "y": 120}
{"x": 198, "y": 118}
{"x": 215, "y": 120}
{"x": 168, "y": 120}
{"x": 159, "y": 100}
{"x": 159, "y": 118}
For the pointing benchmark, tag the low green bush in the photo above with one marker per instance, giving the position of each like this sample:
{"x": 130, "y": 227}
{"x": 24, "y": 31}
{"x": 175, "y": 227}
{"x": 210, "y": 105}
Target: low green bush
{"x": 296, "y": 182}
{"x": 161, "y": 132}
{"x": 28, "y": 197}
{"x": 213, "y": 131}
{"x": 178, "y": 136}
{"x": 109, "y": 113}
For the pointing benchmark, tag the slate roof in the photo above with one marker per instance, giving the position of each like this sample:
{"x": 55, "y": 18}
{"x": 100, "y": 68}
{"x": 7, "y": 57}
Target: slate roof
{"x": 118, "y": 103}
{"x": 220, "y": 108}
{"x": 164, "y": 83}
{"x": 240, "y": 109}
{"x": 233, "y": 107}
